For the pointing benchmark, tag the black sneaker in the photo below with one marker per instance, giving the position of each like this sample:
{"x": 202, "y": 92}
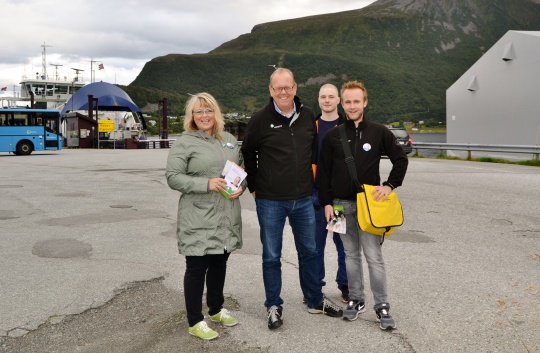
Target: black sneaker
{"x": 327, "y": 308}
{"x": 386, "y": 322}
{"x": 354, "y": 308}
{"x": 345, "y": 293}
{"x": 274, "y": 317}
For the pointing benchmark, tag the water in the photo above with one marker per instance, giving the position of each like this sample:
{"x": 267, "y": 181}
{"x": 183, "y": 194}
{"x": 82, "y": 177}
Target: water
{"x": 431, "y": 138}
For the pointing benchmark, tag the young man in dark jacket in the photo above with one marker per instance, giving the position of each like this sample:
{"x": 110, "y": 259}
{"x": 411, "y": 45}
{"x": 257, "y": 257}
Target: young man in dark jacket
{"x": 279, "y": 147}
{"x": 368, "y": 141}
{"x": 329, "y": 117}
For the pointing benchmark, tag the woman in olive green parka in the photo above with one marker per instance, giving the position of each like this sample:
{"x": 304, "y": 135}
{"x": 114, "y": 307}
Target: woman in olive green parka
{"x": 209, "y": 224}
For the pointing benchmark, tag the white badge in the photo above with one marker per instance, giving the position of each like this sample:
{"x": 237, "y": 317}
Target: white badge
{"x": 366, "y": 147}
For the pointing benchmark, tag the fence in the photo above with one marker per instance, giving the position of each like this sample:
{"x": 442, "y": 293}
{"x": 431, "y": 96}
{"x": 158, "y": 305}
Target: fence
{"x": 131, "y": 143}
{"x": 469, "y": 147}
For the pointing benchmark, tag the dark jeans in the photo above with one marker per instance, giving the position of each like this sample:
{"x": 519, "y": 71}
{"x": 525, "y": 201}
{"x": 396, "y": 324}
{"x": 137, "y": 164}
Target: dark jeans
{"x": 211, "y": 268}
{"x": 321, "y": 234}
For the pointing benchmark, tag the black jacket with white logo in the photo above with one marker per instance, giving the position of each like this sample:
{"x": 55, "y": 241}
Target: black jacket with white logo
{"x": 278, "y": 153}
{"x": 368, "y": 142}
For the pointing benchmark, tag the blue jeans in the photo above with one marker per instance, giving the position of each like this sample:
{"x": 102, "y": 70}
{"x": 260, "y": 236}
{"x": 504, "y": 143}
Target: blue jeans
{"x": 320, "y": 240}
{"x": 272, "y": 215}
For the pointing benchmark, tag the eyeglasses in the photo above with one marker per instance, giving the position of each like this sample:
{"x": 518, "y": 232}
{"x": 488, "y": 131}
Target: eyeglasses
{"x": 279, "y": 89}
{"x": 202, "y": 112}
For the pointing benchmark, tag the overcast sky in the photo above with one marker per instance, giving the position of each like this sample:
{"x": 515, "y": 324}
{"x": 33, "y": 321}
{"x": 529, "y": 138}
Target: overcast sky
{"x": 124, "y": 35}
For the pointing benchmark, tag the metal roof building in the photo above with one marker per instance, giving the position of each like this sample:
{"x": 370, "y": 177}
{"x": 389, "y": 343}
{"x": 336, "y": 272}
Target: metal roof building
{"x": 497, "y": 101}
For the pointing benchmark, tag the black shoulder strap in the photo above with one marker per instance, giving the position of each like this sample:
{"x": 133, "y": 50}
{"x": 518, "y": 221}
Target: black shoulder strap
{"x": 348, "y": 157}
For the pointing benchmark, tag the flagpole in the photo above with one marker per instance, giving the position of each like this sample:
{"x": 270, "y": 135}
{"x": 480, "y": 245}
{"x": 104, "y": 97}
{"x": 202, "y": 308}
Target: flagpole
{"x": 92, "y": 76}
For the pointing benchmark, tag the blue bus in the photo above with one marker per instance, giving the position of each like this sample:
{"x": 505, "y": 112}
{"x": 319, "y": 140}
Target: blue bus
{"x": 24, "y": 130}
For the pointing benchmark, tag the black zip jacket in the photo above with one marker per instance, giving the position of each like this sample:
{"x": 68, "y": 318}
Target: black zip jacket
{"x": 368, "y": 143}
{"x": 340, "y": 120}
{"x": 278, "y": 153}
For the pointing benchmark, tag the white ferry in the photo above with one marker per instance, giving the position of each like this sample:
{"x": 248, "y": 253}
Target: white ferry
{"x": 49, "y": 93}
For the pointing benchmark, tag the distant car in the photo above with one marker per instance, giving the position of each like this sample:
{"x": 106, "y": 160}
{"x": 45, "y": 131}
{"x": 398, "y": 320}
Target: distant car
{"x": 403, "y": 138}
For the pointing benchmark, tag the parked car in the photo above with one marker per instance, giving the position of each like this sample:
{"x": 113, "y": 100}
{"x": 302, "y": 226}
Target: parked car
{"x": 403, "y": 138}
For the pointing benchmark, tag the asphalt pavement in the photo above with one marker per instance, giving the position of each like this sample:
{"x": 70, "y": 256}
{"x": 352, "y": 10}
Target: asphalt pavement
{"x": 90, "y": 264}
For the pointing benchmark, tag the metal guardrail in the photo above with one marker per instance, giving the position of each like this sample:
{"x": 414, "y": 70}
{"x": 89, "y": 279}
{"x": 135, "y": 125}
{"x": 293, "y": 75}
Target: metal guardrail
{"x": 469, "y": 147}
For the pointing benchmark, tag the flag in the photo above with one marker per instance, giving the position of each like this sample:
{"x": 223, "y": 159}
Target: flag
{"x": 101, "y": 67}
{"x": 3, "y": 89}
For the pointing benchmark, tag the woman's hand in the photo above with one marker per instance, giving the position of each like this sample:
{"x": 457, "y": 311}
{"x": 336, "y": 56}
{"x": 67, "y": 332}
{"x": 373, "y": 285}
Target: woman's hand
{"x": 237, "y": 193}
{"x": 217, "y": 184}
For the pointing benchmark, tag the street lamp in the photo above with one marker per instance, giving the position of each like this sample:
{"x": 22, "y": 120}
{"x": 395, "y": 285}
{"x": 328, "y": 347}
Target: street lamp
{"x": 75, "y": 79}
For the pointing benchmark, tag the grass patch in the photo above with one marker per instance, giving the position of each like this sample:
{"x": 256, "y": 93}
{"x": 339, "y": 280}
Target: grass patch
{"x": 531, "y": 162}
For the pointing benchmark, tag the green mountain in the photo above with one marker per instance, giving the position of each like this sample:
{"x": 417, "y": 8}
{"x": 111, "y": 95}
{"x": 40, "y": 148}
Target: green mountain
{"x": 407, "y": 53}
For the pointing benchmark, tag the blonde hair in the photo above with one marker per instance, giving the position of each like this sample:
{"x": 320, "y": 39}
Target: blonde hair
{"x": 354, "y": 85}
{"x": 204, "y": 100}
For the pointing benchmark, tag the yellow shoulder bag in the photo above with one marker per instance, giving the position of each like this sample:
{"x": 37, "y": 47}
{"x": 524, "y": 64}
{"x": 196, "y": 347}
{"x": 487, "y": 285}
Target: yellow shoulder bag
{"x": 378, "y": 217}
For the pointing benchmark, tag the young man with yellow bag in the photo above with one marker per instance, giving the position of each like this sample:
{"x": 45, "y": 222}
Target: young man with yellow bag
{"x": 368, "y": 141}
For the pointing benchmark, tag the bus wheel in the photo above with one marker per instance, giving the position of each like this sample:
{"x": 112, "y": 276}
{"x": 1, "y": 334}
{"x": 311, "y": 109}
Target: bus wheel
{"x": 24, "y": 148}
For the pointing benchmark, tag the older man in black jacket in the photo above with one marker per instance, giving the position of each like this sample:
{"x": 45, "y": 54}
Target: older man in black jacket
{"x": 279, "y": 147}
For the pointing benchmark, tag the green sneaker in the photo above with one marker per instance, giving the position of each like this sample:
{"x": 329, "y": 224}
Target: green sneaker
{"x": 202, "y": 330}
{"x": 224, "y": 317}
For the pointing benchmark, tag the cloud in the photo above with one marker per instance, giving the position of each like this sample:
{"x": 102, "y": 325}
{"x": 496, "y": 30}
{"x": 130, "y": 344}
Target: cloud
{"x": 125, "y": 35}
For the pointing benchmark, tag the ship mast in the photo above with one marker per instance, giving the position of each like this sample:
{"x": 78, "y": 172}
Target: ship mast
{"x": 44, "y": 62}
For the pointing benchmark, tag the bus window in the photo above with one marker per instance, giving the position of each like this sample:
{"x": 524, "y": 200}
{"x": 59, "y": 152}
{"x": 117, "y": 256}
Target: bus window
{"x": 7, "y": 119}
{"x": 51, "y": 125}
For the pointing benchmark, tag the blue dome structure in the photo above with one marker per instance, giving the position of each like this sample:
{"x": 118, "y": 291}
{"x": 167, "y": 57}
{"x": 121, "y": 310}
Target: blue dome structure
{"x": 109, "y": 98}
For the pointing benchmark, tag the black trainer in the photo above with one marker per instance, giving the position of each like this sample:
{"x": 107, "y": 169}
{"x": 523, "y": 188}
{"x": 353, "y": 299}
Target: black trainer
{"x": 354, "y": 308}
{"x": 345, "y": 293}
{"x": 327, "y": 308}
{"x": 274, "y": 317}
{"x": 386, "y": 322}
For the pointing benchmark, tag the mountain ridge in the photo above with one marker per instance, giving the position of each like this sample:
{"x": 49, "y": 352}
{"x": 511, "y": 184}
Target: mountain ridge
{"x": 407, "y": 52}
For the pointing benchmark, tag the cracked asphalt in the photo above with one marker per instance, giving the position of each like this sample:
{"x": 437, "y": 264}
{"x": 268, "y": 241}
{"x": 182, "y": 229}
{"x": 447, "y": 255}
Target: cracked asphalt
{"x": 89, "y": 263}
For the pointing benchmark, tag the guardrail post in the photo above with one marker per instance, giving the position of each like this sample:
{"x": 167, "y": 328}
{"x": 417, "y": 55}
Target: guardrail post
{"x": 469, "y": 155}
{"x": 536, "y": 156}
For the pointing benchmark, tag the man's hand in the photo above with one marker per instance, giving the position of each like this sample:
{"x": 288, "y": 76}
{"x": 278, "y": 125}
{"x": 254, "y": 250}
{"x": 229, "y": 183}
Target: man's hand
{"x": 328, "y": 212}
{"x": 380, "y": 193}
